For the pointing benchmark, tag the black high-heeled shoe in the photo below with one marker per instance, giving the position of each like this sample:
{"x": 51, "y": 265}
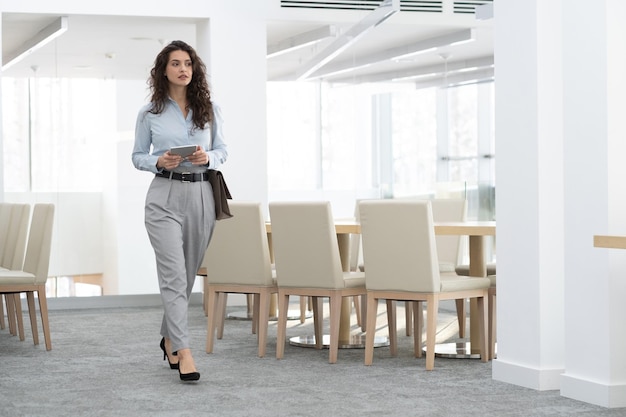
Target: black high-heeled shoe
{"x": 190, "y": 377}
{"x": 172, "y": 365}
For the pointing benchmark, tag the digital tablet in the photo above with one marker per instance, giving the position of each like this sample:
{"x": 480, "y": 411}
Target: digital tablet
{"x": 183, "y": 151}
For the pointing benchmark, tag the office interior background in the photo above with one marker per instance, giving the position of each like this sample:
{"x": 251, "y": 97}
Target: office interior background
{"x": 379, "y": 103}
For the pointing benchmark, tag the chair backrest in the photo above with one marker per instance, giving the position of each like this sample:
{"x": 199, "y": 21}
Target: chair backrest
{"x": 15, "y": 242}
{"x": 306, "y": 250}
{"x": 449, "y": 247}
{"x": 37, "y": 258}
{"x": 399, "y": 247}
{"x": 5, "y": 221}
{"x": 238, "y": 252}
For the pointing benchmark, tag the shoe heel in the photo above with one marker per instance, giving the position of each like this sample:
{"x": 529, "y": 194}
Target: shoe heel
{"x": 172, "y": 365}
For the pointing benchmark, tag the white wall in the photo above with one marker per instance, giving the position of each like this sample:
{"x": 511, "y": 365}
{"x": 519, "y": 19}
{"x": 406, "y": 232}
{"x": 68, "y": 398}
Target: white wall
{"x": 594, "y": 130}
{"x": 560, "y": 139}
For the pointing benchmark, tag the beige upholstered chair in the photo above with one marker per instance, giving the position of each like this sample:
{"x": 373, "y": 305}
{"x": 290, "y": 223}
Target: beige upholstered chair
{"x": 12, "y": 258}
{"x": 400, "y": 255}
{"x": 5, "y": 220}
{"x": 306, "y": 253}
{"x": 238, "y": 261}
{"x": 34, "y": 274}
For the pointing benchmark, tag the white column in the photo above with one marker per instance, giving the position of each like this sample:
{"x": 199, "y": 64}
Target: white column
{"x": 237, "y": 69}
{"x": 595, "y": 201}
{"x": 560, "y": 141}
{"x": 529, "y": 143}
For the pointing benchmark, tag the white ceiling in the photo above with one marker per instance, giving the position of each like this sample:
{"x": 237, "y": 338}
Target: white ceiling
{"x": 125, "y": 47}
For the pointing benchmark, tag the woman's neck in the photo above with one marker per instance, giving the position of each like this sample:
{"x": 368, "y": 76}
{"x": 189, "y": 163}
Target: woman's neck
{"x": 179, "y": 95}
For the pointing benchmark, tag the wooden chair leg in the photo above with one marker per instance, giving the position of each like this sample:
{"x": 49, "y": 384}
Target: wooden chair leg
{"x": 432, "y": 305}
{"x": 372, "y": 307}
{"x": 318, "y": 320}
{"x": 357, "y": 308}
{"x": 222, "y": 299}
{"x": 363, "y": 312}
{"x": 249, "y": 304}
{"x": 205, "y": 296}
{"x": 255, "y": 313}
{"x": 18, "y": 315}
{"x": 262, "y": 308}
{"x": 408, "y": 314}
{"x": 461, "y": 313}
{"x": 335, "y": 316}
{"x": 392, "y": 327}
{"x": 281, "y": 331}
{"x": 483, "y": 307}
{"x": 32, "y": 312}
{"x": 2, "y": 322}
{"x": 43, "y": 308}
{"x": 492, "y": 323}
{"x": 303, "y": 302}
{"x": 418, "y": 322}
{"x": 213, "y": 318}
{"x": 11, "y": 314}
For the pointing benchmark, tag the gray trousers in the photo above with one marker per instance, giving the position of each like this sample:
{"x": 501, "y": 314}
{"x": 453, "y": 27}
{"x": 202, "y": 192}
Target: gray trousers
{"x": 179, "y": 218}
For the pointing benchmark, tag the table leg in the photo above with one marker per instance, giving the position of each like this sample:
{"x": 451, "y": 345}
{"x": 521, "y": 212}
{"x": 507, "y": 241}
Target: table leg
{"x": 346, "y": 306}
{"x": 478, "y": 268}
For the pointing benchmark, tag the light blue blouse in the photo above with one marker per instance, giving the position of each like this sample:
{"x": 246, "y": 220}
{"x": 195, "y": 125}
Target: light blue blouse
{"x": 157, "y": 133}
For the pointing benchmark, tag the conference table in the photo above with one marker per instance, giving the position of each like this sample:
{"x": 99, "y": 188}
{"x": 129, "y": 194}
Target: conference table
{"x": 477, "y": 232}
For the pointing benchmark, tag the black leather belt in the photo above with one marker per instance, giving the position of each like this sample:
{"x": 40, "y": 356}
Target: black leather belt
{"x": 184, "y": 176}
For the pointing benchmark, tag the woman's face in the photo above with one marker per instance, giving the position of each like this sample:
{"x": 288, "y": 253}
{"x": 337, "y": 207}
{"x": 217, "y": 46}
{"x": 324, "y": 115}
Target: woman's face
{"x": 179, "y": 68}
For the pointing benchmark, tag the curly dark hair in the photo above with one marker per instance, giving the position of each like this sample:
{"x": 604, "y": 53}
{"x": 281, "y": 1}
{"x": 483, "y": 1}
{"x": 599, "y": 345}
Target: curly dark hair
{"x": 198, "y": 92}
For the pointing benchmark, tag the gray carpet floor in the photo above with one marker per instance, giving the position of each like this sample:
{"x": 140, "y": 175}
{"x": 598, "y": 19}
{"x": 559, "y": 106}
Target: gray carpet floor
{"x": 107, "y": 362}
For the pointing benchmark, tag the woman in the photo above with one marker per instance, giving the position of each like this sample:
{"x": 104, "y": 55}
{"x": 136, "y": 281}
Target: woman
{"x": 180, "y": 211}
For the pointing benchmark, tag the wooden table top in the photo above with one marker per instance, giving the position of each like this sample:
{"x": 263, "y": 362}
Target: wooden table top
{"x": 611, "y": 242}
{"x": 470, "y": 228}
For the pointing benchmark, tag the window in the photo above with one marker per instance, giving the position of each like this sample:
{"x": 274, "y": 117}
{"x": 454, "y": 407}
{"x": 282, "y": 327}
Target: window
{"x": 414, "y": 141}
{"x": 382, "y": 140}
{"x": 293, "y": 142}
{"x": 54, "y": 132}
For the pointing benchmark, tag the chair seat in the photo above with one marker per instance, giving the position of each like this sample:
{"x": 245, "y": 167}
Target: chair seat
{"x": 217, "y": 282}
{"x": 449, "y": 283}
{"x": 350, "y": 280}
{"x": 354, "y": 279}
{"x": 8, "y": 277}
{"x": 464, "y": 269}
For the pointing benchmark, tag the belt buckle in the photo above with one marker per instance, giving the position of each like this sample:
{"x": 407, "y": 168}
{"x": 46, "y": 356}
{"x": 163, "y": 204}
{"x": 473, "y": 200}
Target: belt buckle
{"x": 183, "y": 174}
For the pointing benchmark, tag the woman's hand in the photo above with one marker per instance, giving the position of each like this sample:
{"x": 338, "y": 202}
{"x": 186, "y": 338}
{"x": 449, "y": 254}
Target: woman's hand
{"x": 169, "y": 161}
{"x": 199, "y": 157}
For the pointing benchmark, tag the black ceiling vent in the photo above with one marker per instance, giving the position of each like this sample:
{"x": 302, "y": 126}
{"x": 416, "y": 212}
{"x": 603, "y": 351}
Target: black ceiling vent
{"x": 405, "y": 5}
{"x": 469, "y": 6}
